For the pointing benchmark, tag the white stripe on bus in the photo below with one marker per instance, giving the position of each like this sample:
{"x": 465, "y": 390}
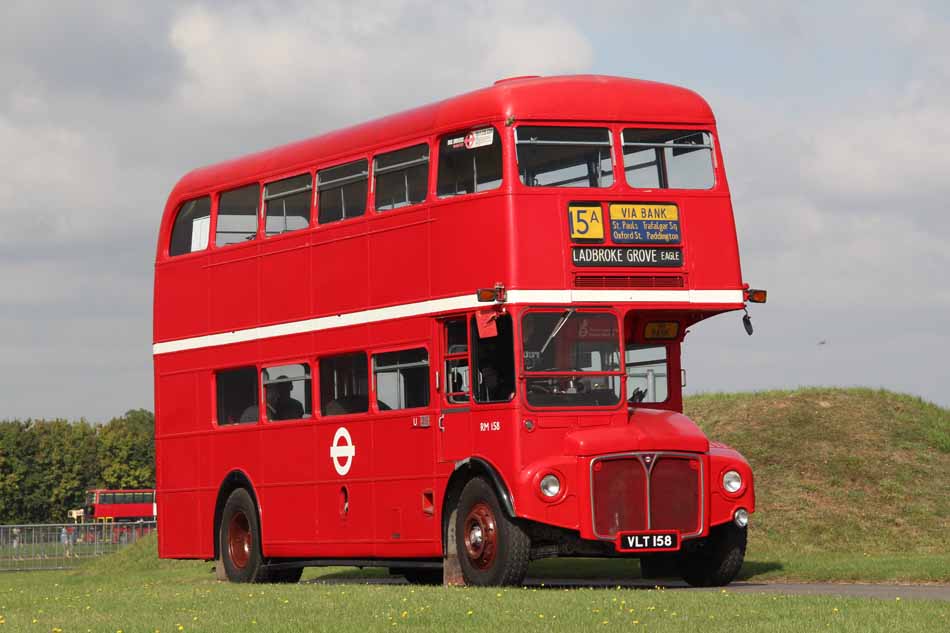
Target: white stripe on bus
{"x": 448, "y": 304}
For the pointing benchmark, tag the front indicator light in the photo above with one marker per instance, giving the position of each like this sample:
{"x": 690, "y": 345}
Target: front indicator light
{"x": 741, "y": 517}
{"x": 550, "y": 486}
{"x": 732, "y": 481}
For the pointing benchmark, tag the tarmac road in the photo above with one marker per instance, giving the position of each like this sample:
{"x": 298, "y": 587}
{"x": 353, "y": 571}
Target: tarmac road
{"x": 883, "y": 592}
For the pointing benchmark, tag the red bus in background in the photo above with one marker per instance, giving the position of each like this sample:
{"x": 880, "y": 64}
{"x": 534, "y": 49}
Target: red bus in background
{"x": 447, "y": 342}
{"x": 120, "y": 506}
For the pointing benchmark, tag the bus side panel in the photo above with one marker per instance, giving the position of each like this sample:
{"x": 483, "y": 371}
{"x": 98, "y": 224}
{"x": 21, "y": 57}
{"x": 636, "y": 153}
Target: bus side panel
{"x": 404, "y": 467}
{"x": 345, "y": 501}
{"x": 178, "y": 396}
{"x": 540, "y": 258}
{"x": 457, "y": 270}
{"x": 179, "y": 514}
{"x": 712, "y": 248}
{"x": 398, "y": 258}
{"x": 286, "y": 492}
{"x": 234, "y": 287}
{"x": 181, "y": 282}
{"x": 340, "y": 270}
{"x": 285, "y": 277}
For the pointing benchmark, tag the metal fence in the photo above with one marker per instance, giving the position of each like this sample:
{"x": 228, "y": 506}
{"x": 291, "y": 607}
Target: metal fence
{"x": 61, "y": 546}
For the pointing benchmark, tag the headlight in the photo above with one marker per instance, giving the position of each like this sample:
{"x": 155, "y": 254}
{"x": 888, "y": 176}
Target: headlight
{"x": 732, "y": 481}
{"x": 550, "y": 486}
{"x": 741, "y": 517}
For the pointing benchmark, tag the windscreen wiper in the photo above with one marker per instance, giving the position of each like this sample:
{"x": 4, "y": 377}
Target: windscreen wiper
{"x": 557, "y": 328}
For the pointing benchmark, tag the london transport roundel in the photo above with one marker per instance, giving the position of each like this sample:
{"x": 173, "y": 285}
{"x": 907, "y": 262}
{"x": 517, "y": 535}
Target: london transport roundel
{"x": 342, "y": 451}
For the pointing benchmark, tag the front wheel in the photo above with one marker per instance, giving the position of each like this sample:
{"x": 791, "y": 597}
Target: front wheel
{"x": 239, "y": 539}
{"x": 717, "y": 561}
{"x": 492, "y": 548}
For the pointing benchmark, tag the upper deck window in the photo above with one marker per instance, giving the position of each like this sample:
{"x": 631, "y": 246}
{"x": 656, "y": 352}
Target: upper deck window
{"x": 564, "y": 156}
{"x": 237, "y": 215}
{"x": 469, "y": 161}
{"x": 287, "y": 204}
{"x": 190, "y": 231}
{"x": 342, "y": 191}
{"x": 401, "y": 178}
{"x": 668, "y": 159}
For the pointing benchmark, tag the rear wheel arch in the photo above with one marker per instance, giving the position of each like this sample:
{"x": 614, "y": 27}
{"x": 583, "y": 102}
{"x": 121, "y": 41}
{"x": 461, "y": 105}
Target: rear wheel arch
{"x": 234, "y": 480}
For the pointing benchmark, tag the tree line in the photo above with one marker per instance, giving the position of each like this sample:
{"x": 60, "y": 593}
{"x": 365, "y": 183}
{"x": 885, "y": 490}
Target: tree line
{"x": 46, "y": 466}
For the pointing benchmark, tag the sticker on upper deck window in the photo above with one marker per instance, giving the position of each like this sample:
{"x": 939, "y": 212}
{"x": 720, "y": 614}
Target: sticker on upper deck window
{"x": 474, "y": 139}
{"x": 641, "y": 223}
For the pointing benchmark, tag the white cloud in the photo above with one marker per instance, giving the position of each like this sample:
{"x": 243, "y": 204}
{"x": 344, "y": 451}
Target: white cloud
{"x": 349, "y": 61}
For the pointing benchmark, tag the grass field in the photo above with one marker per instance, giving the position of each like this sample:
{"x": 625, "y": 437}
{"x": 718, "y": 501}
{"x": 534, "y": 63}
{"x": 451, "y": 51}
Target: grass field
{"x": 135, "y": 592}
{"x": 852, "y": 484}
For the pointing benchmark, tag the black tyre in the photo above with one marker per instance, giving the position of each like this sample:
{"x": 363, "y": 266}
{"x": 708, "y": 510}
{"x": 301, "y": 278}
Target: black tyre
{"x": 492, "y": 548}
{"x": 717, "y": 560}
{"x": 239, "y": 539}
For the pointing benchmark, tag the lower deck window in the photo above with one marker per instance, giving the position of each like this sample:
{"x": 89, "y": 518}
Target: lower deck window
{"x": 287, "y": 390}
{"x": 344, "y": 386}
{"x": 402, "y": 379}
{"x": 236, "y": 391}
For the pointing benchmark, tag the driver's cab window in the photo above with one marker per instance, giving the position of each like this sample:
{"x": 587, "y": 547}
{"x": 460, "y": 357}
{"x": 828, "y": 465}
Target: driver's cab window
{"x": 493, "y": 357}
{"x": 647, "y": 379}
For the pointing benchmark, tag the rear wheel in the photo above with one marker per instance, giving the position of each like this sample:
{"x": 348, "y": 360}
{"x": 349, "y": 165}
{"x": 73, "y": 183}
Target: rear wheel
{"x": 718, "y": 559}
{"x": 239, "y": 537}
{"x": 492, "y": 548}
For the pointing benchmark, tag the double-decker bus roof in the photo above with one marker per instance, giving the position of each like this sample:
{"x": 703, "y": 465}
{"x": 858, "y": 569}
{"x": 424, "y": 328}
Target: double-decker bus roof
{"x": 567, "y": 98}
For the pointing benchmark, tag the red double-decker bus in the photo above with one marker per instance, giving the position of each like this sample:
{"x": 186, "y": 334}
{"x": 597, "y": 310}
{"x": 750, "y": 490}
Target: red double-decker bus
{"x": 448, "y": 342}
{"x": 120, "y": 505}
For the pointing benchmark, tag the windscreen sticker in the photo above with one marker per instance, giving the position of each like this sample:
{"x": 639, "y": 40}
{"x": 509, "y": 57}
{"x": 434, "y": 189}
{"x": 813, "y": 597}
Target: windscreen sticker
{"x": 644, "y": 223}
{"x": 472, "y": 140}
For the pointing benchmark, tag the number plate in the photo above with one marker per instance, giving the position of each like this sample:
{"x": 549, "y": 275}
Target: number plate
{"x": 648, "y": 541}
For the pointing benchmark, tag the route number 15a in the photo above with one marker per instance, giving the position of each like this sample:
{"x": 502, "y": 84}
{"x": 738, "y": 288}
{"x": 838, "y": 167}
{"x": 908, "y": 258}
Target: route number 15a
{"x": 587, "y": 222}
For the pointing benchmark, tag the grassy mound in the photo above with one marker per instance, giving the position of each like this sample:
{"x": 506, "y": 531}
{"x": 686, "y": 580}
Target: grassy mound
{"x": 141, "y": 556}
{"x": 839, "y": 470}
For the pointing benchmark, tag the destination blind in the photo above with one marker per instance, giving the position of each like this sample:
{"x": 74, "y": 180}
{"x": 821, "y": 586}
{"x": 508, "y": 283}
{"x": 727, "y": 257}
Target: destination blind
{"x": 631, "y": 256}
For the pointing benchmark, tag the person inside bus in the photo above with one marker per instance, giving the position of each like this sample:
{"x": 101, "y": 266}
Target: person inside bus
{"x": 492, "y": 386}
{"x": 280, "y": 404}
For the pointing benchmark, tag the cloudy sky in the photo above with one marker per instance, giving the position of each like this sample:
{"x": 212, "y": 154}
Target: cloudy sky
{"x": 834, "y": 120}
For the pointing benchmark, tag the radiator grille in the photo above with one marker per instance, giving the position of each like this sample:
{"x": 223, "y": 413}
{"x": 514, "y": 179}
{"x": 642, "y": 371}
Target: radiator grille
{"x": 628, "y": 281}
{"x": 620, "y": 495}
{"x": 623, "y": 487}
